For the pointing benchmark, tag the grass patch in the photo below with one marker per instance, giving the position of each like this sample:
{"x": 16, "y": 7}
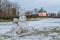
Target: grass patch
{"x": 5, "y": 20}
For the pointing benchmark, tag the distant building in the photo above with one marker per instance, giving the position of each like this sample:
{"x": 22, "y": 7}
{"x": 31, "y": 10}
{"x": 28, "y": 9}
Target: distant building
{"x": 51, "y": 14}
{"x": 58, "y": 14}
{"x": 29, "y": 13}
{"x": 42, "y": 12}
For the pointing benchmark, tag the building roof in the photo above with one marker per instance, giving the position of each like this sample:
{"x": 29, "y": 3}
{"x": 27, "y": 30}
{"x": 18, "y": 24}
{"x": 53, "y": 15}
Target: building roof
{"x": 41, "y": 10}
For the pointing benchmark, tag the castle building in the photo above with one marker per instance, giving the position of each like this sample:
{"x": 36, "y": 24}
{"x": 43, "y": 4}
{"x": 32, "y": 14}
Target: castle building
{"x": 42, "y": 12}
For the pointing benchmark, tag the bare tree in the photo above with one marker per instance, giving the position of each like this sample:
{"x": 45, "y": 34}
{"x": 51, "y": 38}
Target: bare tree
{"x": 8, "y": 9}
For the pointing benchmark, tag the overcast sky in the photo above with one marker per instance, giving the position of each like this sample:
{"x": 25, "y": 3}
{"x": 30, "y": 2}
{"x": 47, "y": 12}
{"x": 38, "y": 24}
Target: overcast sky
{"x": 49, "y": 5}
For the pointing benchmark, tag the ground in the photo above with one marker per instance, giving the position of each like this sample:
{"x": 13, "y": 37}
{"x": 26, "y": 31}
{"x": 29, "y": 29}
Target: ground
{"x": 43, "y": 29}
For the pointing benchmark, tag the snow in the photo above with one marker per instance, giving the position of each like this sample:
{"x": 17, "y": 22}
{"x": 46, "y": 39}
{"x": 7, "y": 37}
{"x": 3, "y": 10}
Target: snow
{"x": 40, "y": 25}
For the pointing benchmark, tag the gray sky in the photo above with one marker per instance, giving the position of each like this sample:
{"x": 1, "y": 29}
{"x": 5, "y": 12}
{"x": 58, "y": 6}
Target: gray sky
{"x": 49, "y": 5}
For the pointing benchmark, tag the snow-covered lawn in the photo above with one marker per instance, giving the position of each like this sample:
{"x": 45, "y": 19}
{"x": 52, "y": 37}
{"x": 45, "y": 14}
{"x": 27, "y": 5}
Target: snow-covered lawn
{"x": 43, "y": 29}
